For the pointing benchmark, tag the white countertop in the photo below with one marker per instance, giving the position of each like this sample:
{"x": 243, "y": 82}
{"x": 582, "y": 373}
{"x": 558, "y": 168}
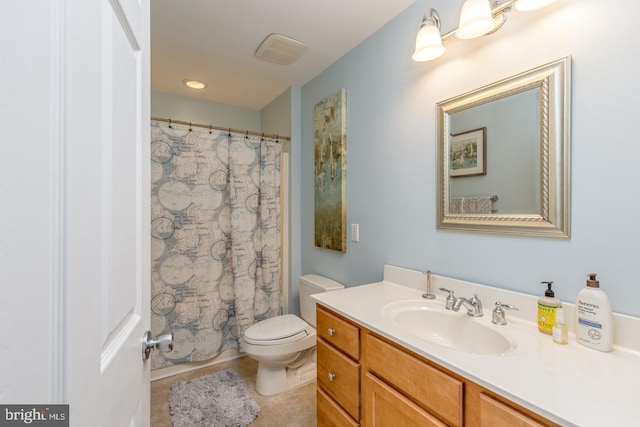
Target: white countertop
{"x": 568, "y": 384}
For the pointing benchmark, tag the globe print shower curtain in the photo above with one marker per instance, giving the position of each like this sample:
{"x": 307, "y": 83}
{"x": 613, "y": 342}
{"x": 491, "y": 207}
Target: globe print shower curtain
{"x": 215, "y": 226}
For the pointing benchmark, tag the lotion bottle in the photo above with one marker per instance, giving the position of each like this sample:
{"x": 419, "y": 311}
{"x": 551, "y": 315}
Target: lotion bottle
{"x": 594, "y": 318}
{"x": 547, "y": 306}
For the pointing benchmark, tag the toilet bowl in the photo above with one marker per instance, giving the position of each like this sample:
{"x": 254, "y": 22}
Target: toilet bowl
{"x": 285, "y": 346}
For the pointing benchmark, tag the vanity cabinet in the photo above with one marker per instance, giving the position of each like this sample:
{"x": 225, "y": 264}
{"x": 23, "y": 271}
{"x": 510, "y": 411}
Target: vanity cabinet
{"x": 401, "y": 384}
{"x": 366, "y": 379}
{"x": 338, "y": 361}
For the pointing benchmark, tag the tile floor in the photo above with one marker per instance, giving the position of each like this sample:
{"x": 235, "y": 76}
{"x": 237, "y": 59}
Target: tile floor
{"x": 296, "y": 408}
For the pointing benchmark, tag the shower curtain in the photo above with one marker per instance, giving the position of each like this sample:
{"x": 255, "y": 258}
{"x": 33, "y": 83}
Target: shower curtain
{"x": 215, "y": 247}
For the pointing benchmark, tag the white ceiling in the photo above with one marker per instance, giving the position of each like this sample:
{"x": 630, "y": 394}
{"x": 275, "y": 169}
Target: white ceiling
{"x": 215, "y": 41}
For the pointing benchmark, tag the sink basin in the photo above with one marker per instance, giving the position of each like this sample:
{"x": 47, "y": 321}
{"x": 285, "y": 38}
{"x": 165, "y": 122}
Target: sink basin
{"x": 430, "y": 321}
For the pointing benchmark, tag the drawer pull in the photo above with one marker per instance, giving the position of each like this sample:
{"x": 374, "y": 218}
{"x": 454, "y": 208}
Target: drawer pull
{"x": 331, "y": 376}
{"x": 331, "y": 332}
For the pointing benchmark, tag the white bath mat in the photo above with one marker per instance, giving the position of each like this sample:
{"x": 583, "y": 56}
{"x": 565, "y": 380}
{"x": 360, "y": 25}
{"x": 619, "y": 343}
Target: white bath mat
{"x": 218, "y": 400}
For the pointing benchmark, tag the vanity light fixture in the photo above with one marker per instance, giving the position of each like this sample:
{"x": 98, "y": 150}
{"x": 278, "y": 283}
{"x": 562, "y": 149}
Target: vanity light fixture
{"x": 477, "y": 18}
{"x": 194, "y": 84}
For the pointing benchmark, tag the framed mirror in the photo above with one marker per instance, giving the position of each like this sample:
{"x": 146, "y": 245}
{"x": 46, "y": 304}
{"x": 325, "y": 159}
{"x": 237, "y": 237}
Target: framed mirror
{"x": 503, "y": 155}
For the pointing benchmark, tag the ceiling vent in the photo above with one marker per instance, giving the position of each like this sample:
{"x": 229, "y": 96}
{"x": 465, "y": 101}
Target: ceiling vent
{"x": 280, "y": 49}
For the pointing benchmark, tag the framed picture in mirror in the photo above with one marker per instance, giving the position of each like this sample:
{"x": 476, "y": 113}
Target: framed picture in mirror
{"x": 468, "y": 153}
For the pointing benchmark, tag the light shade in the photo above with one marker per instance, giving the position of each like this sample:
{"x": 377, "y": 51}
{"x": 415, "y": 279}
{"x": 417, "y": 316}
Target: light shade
{"x": 428, "y": 44}
{"x": 428, "y": 41}
{"x": 475, "y": 19}
{"x": 527, "y": 5}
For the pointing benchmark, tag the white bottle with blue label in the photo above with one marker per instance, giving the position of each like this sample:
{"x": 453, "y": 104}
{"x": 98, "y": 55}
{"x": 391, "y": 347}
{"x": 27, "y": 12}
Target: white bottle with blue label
{"x": 594, "y": 318}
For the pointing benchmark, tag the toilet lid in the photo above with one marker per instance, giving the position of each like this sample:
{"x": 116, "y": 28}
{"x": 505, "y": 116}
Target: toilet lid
{"x": 278, "y": 330}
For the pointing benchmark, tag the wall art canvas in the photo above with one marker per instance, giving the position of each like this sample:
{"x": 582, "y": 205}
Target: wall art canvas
{"x": 330, "y": 150}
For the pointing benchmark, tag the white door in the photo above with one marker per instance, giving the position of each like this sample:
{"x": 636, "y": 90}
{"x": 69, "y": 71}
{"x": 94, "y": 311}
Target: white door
{"x": 74, "y": 252}
{"x": 106, "y": 229}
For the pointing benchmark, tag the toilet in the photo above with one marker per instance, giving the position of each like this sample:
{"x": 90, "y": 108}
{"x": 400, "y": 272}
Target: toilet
{"x": 285, "y": 346}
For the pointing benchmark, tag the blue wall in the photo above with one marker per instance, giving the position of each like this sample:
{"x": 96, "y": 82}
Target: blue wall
{"x": 177, "y": 107}
{"x": 391, "y": 174}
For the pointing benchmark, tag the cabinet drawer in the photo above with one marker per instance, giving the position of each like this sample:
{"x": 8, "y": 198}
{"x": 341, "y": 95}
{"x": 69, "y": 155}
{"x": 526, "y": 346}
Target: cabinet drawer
{"x": 494, "y": 413}
{"x": 339, "y": 332}
{"x": 330, "y": 414}
{"x": 339, "y": 377}
{"x": 436, "y": 391}
{"x": 385, "y": 407}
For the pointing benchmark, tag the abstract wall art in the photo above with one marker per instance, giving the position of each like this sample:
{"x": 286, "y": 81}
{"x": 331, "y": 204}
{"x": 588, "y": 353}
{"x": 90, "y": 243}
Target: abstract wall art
{"x": 330, "y": 155}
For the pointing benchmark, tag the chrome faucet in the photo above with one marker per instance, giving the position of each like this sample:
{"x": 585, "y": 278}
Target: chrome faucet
{"x": 473, "y": 305}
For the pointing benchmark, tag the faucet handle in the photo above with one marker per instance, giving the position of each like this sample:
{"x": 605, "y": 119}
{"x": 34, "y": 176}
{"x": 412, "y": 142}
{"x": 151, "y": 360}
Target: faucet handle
{"x": 499, "y": 317}
{"x": 509, "y": 306}
{"x": 451, "y": 299}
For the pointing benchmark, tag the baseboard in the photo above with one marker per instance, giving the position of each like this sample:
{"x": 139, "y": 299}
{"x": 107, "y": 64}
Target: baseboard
{"x": 169, "y": 371}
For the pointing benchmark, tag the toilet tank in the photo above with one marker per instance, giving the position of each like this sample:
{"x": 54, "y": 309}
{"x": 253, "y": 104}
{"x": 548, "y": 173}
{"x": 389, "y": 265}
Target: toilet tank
{"x": 314, "y": 284}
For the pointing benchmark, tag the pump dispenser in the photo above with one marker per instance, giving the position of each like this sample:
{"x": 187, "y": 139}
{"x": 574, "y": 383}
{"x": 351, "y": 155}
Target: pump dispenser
{"x": 547, "y": 306}
{"x": 594, "y": 318}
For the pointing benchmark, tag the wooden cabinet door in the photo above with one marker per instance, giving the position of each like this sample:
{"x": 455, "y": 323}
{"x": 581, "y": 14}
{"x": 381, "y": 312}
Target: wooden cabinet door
{"x": 384, "y": 407}
{"x": 494, "y": 413}
{"x": 435, "y": 390}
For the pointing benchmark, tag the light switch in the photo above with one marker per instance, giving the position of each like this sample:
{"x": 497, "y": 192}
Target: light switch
{"x": 355, "y": 232}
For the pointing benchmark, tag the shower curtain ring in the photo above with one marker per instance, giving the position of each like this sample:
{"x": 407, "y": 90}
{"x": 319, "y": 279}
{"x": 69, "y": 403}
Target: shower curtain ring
{"x": 170, "y": 124}
{"x": 210, "y": 129}
{"x": 190, "y": 127}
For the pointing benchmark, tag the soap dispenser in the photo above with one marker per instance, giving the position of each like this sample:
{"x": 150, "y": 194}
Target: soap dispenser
{"x": 547, "y": 306}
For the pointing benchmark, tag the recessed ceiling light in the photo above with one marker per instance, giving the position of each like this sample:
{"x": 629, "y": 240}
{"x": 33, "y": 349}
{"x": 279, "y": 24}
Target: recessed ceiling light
{"x": 194, "y": 84}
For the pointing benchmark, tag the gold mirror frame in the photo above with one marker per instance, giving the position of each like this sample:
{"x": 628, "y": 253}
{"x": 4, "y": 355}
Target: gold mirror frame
{"x": 554, "y": 82}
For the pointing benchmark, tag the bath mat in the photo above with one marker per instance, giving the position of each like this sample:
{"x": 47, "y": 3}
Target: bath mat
{"x": 218, "y": 400}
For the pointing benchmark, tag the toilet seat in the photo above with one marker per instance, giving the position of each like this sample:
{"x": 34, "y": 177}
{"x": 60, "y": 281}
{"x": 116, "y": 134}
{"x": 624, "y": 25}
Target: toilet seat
{"x": 278, "y": 330}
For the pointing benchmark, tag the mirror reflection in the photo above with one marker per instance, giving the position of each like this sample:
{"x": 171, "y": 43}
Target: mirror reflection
{"x": 511, "y": 153}
{"x": 503, "y": 155}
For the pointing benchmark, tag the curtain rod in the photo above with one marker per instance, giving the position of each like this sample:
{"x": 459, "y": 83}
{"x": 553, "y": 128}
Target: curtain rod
{"x": 246, "y": 132}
